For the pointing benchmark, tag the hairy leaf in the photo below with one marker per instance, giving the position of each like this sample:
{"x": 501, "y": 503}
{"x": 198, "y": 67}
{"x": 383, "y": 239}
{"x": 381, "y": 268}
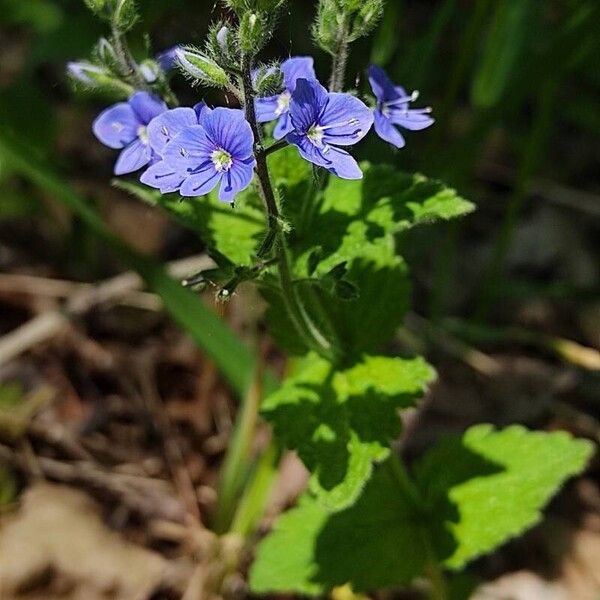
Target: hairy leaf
{"x": 373, "y": 544}
{"x": 476, "y": 492}
{"x": 341, "y": 422}
{"x": 491, "y": 485}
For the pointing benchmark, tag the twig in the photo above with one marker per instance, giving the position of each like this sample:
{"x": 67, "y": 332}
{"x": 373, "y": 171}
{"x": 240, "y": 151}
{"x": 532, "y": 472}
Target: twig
{"x": 172, "y": 450}
{"x": 49, "y": 324}
{"x": 141, "y": 495}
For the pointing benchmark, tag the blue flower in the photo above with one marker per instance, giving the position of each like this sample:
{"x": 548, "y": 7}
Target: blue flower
{"x": 124, "y": 126}
{"x": 324, "y": 120}
{"x": 219, "y": 149}
{"x": 162, "y": 130}
{"x": 393, "y": 109}
{"x": 277, "y": 107}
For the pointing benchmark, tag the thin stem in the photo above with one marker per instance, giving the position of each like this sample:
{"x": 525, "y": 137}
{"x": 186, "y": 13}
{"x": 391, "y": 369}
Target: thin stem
{"x": 303, "y": 323}
{"x": 340, "y": 59}
{"x": 278, "y": 145}
{"x": 238, "y": 457}
{"x": 129, "y": 67}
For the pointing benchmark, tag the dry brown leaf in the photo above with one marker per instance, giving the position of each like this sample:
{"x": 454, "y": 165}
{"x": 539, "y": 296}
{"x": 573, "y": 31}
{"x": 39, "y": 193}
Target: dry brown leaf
{"x": 58, "y": 530}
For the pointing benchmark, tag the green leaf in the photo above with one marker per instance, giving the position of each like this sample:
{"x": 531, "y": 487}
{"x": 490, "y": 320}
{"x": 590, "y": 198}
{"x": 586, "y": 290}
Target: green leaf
{"x": 342, "y": 422}
{"x": 235, "y": 232}
{"x": 371, "y": 545}
{"x": 492, "y": 485}
{"x": 356, "y": 223}
{"x": 476, "y": 492}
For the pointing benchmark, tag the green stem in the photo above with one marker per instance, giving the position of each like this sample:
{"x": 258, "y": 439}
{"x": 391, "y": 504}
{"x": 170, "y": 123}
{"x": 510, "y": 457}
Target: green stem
{"x": 237, "y": 460}
{"x": 128, "y": 65}
{"x": 252, "y": 505}
{"x": 340, "y": 59}
{"x": 305, "y": 326}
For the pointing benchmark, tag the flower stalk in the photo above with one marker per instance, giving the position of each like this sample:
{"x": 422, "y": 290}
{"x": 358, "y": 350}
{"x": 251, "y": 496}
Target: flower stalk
{"x": 305, "y": 326}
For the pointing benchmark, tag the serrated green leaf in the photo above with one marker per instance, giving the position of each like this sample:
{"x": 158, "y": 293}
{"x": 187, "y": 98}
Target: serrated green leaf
{"x": 477, "y": 491}
{"x": 371, "y": 545}
{"x": 491, "y": 485}
{"x": 356, "y": 223}
{"x": 341, "y": 422}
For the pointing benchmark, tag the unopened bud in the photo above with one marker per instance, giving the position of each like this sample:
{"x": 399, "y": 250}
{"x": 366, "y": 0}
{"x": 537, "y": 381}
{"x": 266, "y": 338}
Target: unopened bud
{"x": 200, "y": 68}
{"x": 167, "y": 59}
{"x": 85, "y": 72}
{"x": 367, "y": 18}
{"x": 252, "y": 34}
{"x": 93, "y": 78}
{"x": 268, "y": 80}
{"x": 150, "y": 71}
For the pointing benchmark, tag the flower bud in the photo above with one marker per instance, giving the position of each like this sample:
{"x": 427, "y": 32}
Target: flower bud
{"x": 252, "y": 34}
{"x": 326, "y": 27}
{"x": 150, "y": 71}
{"x": 121, "y": 13}
{"x": 367, "y": 18}
{"x": 200, "y": 68}
{"x": 93, "y": 78}
{"x": 124, "y": 14}
{"x": 268, "y": 80}
{"x": 85, "y": 72}
{"x": 222, "y": 45}
{"x": 106, "y": 54}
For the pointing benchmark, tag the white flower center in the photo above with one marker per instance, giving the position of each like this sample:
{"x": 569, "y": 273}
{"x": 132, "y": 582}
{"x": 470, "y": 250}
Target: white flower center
{"x": 283, "y": 103}
{"x": 222, "y": 160}
{"x": 142, "y": 134}
{"x": 315, "y": 134}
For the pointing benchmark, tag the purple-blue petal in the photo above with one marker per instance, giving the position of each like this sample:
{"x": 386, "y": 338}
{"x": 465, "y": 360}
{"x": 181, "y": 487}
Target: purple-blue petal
{"x": 235, "y": 180}
{"x": 266, "y": 108}
{"x": 382, "y": 86}
{"x": 283, "y": 127}
{"x": 201, "y": 183}
{"x": 308, "y": 100}
{"x": 168, "y": 125}
{"x": 387, "y": 132}
{"x": 308, "y": 150}
{"x": 146, "y": 106}
{"x": 346, "y": 120}
{"x": 297, "y": 67}
{"x": 342, "y": 164}
{"x": 133, "y": 157}
{"x": 229, "y": 130}
{"x": 163, "y": 177}
{"x": 190, "y": 149}
{"x": 117, "y": 126}
{"x": 414, "y": 119}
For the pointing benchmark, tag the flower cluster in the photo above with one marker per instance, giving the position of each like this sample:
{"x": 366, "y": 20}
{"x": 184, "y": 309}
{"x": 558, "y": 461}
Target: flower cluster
{"x": 194, "y": 150}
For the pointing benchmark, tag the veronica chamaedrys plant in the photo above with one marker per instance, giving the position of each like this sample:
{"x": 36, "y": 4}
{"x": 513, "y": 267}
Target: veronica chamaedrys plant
{"x": 324, "y": 252}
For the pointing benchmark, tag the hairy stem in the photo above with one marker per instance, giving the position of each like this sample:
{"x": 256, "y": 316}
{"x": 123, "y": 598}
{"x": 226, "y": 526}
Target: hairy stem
{"x": 127, "y": 64}
{"x": 305, "y": 326}
{"x": 340, "y": 59}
